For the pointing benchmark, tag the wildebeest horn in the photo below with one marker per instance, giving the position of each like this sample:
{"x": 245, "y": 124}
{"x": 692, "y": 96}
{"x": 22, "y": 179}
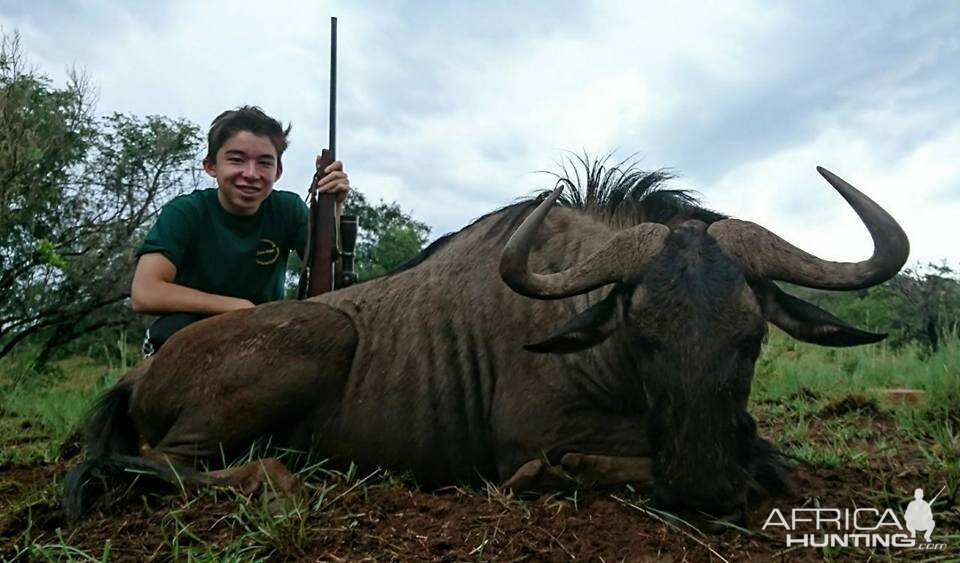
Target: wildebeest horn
{"x": 765, "y": 255}
{"x": 622, "y": 258}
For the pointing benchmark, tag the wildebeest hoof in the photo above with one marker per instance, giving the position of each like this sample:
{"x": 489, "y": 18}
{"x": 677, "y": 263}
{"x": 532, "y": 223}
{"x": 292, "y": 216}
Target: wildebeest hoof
{"x": 524, "y": 478}
{"x": 279, "y": 503}
{"x": 539, "y": 475}
{"x": 268, "y": 474}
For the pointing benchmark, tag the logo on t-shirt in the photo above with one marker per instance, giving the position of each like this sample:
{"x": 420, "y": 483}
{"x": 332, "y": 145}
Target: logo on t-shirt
{"x": 267, "y": 252}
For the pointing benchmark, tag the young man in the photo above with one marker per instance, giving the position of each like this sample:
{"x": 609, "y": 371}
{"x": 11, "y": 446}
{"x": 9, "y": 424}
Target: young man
{"x": 222, "y": 249}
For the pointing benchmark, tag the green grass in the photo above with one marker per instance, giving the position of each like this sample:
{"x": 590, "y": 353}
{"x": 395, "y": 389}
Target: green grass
{"x": 800, "y": 380}
{"x": 787, "y": 368}
{"x": 41, "y": 409}
{"x": 56, "y": 549}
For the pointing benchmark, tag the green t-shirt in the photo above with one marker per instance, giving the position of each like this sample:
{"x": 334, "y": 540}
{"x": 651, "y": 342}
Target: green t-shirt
{"x": 234, "y": 255}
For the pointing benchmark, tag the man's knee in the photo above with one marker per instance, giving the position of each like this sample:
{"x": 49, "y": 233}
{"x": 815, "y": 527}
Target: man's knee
{"x": 165, "y": 327}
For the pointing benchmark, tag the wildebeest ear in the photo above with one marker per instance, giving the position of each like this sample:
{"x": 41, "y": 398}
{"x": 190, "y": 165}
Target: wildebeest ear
{"x": 807, "y": 322}
{"x": 587, "y": 329}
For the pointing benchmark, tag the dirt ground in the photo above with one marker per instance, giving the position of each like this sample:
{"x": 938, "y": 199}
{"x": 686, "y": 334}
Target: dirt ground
{"x": 390, "y": 521}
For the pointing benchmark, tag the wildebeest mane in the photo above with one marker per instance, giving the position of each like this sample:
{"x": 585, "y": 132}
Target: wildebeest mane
{"x": 625, "y": 192}
{"x": 620, "y": 192}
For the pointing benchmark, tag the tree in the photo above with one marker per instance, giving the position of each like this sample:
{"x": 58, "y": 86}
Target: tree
{"x": 77, "y": 191}
{"x": 387, "y": 237}
{"x": 927, "y": 304}
{"x": 920, "y": 304}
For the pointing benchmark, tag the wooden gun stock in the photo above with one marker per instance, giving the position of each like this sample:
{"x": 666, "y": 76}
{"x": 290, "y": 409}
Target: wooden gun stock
{"x": 323, "y": 209}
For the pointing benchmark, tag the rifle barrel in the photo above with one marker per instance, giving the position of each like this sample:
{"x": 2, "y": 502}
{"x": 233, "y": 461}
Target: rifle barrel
{"x": 333, "y": 87}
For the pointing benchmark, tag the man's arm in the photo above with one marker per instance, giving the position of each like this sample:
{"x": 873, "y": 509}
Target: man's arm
{"x": 154, "y": 292}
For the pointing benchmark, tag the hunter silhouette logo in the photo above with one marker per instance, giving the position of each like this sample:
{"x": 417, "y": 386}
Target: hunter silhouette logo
{"x": 919, "y": 516}
{"x": 267, "y": 252}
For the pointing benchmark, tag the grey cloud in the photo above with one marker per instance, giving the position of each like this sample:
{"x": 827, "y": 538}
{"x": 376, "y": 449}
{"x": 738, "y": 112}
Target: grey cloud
{"x": 843, "y": 59}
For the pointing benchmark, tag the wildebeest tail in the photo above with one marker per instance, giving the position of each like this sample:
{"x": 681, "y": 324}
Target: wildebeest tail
{"x": 111, "y": 438}
{"x": 113, "y": 445}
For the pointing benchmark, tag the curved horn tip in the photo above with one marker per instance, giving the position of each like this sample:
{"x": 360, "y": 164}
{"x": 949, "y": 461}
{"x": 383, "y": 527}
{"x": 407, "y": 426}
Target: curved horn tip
{"x": 833, "y": 178}
{"x": 556, "y": 191}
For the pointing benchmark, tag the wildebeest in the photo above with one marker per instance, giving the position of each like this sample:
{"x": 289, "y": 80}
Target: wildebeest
{"x": 613, "y": 334}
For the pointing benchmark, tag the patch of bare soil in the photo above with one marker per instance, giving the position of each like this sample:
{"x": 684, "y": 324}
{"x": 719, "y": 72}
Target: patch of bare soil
{"x": 394, "y": 522}
{"x": 18, "y": 481}
{"x": 848, "y": 404}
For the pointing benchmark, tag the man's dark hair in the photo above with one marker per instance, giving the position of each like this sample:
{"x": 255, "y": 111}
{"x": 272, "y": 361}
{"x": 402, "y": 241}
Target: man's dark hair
{"x": 246, "y": 118}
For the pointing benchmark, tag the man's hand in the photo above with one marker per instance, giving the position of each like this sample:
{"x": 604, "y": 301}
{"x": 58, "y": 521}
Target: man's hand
{"x": 334, "y": 181}
{"x": 153, "y": 291}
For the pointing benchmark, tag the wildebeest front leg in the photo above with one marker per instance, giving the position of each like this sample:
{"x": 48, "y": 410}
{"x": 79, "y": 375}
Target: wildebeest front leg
{"x": 593, "y": 448}
{"x": 604, "y": 470}
{"x": 590, "y": 470}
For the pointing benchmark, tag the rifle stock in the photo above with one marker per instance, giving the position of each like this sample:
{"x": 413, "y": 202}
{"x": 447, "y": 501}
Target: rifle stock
{"x": 324, "y": 228}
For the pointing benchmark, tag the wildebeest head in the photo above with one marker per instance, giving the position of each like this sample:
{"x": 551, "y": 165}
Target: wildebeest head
{"x": 688, "y": 307}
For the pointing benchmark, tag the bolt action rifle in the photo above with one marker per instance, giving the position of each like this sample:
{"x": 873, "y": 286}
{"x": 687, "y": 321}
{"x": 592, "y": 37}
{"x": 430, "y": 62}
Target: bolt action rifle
{"x": 331, "y": 238}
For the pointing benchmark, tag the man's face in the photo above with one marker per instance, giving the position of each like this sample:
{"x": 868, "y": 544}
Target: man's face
{"x": 245, "y": 169}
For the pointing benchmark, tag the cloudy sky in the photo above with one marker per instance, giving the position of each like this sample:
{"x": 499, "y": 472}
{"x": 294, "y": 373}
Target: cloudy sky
{"x": 450, "y": 108}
